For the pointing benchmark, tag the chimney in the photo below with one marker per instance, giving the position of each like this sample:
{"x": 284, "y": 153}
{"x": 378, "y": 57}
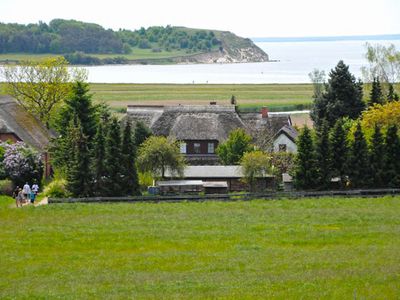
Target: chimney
{"x": 264, "y": 112}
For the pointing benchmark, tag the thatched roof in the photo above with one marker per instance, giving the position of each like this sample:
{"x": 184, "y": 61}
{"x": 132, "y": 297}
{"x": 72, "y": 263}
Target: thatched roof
{"x": 201, "y": 122}
{"x": 289, "y": 131}
{"x": 15, "y": 119}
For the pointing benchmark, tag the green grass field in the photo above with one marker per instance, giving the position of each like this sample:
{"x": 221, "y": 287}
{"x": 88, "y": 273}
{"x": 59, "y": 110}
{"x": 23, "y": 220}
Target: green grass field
{"x": 306, "y": 249}
{"x": 137, "y": 53}
{"x": 247, "y": 95}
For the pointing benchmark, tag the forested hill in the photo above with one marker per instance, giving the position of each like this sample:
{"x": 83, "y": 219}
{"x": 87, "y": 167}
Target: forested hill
{"x": 70, "y": 36}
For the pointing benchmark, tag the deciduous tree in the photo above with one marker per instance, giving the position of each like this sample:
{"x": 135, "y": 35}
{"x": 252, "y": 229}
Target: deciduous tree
{"x": 158, "y": 155}
{"x": 255, "y": 164}
{"x": 384, "y": 62}
{"x": 231, "y": 151}
{"x": 40, "y": 87}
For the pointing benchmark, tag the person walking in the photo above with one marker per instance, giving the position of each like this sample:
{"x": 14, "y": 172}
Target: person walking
{"x": 26, "y": 190}
{"x": 35, "y": 188}
{"x": 15, "y": 195}
{"x": 32, "y": 197}
{"x": 19, "y": 198}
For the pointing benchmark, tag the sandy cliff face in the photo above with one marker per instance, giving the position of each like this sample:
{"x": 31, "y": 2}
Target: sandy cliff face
{"x": 233, "y": 49}
{"x": 240, "y": 55}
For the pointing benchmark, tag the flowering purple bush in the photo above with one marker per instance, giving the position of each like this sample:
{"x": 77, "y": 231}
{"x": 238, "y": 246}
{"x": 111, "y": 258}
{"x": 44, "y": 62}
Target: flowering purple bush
{"x": 22, "y": 163}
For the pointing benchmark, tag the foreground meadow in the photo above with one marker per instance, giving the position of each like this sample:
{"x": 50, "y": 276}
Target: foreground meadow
{"x": 313, "y": 248}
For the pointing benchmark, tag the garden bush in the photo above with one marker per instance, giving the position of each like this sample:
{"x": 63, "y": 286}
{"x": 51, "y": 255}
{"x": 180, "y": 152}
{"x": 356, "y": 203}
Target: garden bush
{"x": 56, "y": 188}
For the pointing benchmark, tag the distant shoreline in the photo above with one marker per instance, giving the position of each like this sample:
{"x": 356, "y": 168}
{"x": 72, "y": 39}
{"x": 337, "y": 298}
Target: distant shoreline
{"x": 380, "y": 37}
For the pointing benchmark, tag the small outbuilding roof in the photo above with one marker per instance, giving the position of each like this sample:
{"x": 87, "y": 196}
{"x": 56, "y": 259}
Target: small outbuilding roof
{"x": 215, "y": 172}
{"x": 180, "y": 183}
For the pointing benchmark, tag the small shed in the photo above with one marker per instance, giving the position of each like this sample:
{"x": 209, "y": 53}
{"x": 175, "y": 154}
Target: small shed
{"x": 232, "y": 175}
{"x": 215, "y": 187}
{"x": 180, "y": 186}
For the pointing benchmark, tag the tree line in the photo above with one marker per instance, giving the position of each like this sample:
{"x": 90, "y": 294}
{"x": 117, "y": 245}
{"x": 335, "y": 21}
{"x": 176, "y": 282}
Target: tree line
{"x": 354, "y": 142}
{"x": 92, "y": 152}
{"x": 70, "y": 36}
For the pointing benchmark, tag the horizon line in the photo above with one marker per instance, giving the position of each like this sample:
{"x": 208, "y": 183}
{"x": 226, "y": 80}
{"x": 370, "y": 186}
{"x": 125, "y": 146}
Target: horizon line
{"x": 328, "y": 38}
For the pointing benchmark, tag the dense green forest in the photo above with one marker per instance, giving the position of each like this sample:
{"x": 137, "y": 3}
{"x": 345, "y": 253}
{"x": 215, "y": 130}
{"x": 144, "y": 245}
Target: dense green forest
{"x": 70, "y": 36}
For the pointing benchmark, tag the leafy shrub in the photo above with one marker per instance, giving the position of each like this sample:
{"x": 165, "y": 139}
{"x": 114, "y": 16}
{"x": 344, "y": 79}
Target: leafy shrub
{"x": 6, "y": 187}
{"x": 56, "y": 188}
{"x": 145, "y": 180}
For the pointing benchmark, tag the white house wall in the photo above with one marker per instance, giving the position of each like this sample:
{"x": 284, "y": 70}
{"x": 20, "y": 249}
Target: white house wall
{"x": 283, "y": 139}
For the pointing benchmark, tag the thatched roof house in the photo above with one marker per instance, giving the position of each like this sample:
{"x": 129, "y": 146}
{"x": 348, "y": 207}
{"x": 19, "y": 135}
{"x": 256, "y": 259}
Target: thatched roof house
{"x": 202, "y": 127}
{"x": 17, "y": 124}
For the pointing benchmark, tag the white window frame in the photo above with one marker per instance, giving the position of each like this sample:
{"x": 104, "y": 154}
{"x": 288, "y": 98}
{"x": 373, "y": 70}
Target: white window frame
{"x": 211, "y": 148}
{"x": 183, "y": 148}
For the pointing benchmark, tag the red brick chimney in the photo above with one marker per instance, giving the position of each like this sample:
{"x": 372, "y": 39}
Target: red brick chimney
{"x": 264, "y": 112}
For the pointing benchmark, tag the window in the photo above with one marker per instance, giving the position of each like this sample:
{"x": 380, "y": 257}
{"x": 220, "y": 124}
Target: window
{"x": 183, "y": 148}
{"x": 210, "y": 148}
{"x": 196, "y": 148}
{"x": 282, "y": 147}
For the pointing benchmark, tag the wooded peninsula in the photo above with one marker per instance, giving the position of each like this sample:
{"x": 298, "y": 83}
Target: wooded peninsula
{"x": 91, "y": 44}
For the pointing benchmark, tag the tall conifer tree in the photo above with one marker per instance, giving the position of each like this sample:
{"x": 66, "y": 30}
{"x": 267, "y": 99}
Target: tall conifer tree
{"x": 305, "y": 175}
{"x": 131, "y": 183}
{"x": 78, "y": 171}
{"x": 78, "y": 108}
{"x": 98, "y": 166}
{"x": 342, "y": 98}
{"x": 113, "y": 159}
{"x": 141, "y": 133}
{"x": 323, "y": 157}
{"x": 359, "y": 171}
{"x": 376, "y": 158}
{"x": 392, "y": 158}
{"x": 376, "y": 96}
{"x": 392, "y": 95}
{"x": 339, "y": 151}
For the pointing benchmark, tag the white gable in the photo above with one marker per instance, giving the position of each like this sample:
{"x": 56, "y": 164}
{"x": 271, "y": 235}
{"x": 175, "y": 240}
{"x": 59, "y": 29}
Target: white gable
{"x": 282, "y": 139}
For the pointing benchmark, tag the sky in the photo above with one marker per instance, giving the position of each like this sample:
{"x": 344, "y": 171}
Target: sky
{"x": 250, "y": 18}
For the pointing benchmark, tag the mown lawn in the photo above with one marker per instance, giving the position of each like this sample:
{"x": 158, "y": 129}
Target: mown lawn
{"x": 309, "y": 249}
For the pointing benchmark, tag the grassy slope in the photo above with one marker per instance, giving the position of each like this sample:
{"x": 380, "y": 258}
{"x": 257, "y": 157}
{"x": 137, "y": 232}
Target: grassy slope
{"x": 319, "y": 248}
